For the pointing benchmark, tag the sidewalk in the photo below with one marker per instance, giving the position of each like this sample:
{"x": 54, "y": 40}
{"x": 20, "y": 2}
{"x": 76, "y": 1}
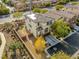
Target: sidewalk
{"x": 2, "y": 45}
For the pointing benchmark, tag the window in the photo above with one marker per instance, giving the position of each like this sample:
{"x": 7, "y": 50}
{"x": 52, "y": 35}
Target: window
{"x": 39, "y": 29}
{"x": 50, "y": 22}
{"x": 30, "y": 25}
{"x": 46, "y": 30}
{"x": 38, "y": 24}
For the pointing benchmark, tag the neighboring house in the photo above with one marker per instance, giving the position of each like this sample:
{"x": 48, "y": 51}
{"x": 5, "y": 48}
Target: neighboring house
{"x": 14, "y": 2}
{"x": 53, "y": 1}
{"x": 73, "y": 11}
{"x": 70, "y": 6}
{"x": 38, "y": 24}
{"x": 53, "y": 15}
{"x": 68, "y": 17}
{"x": 73, "y": 8}
{"x": 20, "y": 6}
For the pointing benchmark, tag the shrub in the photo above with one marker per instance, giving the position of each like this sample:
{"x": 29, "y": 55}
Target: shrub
{"x": 61, "y": 28}
{"x": 58, "y": 7}
{"x": 38, "y": 10}
{"x": 48, "y": 4}
{"x": 17, "y": 14}
{"x": 63, "y": 1}
{"x": 60, "y": 55}
{"x": 45, "y": 4}
{"x": 75, "y": 3}
{"x": 77, "y": 22}
{"x": 3, "y": 10}
{"x": 6, "y": 1}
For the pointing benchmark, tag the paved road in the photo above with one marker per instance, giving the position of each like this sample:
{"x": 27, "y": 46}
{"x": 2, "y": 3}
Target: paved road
{"x": 2, "y": 45}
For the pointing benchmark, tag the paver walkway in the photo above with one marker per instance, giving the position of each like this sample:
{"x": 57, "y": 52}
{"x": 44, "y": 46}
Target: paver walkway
{"x": 2, "y": 45}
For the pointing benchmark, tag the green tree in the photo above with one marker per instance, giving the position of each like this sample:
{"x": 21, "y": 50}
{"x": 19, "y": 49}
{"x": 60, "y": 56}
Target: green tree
{"x": 17, "y": 14}
{"x": 60, "y": 55}
{"x": 77, "y": 22}
{"x": 58, "y": 7}
{"x": 63, "y": 1}
{"x": 38, "y": 10}
{"x": 3, "y": 10}
{"x": 61, "y": 28}
{"x": 6, "y": 1}
{"x": 15, "y": 45}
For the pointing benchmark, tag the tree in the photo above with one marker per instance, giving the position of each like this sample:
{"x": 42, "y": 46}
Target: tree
{"x": 75, "y": 3}
{"x": 6, "y": 1}
{"x": 60, "y": 55}
{"x": 77, "y": 22}
{"x": 15, "y": 45}
{"x": 3, "y": 10}
{"x": 63, "y": 1}
{"x": 58, "y": 7}
{"x": 39, "y": 44}
{"x": 17, "y": 14}
{"x": 38, "y": 10}
{"x": 61, "y": 28}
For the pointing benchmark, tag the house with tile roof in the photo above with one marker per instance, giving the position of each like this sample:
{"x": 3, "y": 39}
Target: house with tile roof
{"x": 68, "y": 17}
{"x": 73, "y": 11}
{"x": 70, "y": 6}
{"x": 53, "y": 15}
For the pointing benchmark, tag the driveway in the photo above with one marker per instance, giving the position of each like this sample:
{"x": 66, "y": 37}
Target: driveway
{"x": 2, "y": 45}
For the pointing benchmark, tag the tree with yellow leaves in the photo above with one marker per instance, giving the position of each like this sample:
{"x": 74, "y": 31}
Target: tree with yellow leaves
{"x": 39, "y": 44}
